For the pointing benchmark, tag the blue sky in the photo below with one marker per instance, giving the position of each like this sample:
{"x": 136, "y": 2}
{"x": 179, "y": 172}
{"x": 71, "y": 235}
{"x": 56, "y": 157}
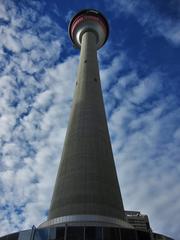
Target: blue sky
{"x": 139, "y": 67}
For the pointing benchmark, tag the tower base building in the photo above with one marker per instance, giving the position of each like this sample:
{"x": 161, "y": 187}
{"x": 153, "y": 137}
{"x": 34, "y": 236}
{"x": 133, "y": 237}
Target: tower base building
{"x": 85, "y": 231}
{"x": 87, "y": 202}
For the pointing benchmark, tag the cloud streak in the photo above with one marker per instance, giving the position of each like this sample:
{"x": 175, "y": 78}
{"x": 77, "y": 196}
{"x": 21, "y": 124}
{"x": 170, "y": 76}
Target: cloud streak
{"x": 153, "y": 22}
{"x": 36, "y": 93}
{"x": 144, "y": 128}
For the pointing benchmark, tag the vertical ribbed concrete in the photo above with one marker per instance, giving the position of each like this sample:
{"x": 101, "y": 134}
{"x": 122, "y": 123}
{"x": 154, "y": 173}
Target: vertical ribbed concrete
{"x": 87, "y": 182}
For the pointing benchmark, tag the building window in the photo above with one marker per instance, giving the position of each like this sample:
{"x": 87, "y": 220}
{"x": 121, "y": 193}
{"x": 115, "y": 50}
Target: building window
{"x": 75, "y": 233}
{"x": 143, "y": 235}
{"x": 93, "y": 233}
{"x": 111, "y": 233}
{"x": 128, "y": 234}
{"x": 60, "y": 233}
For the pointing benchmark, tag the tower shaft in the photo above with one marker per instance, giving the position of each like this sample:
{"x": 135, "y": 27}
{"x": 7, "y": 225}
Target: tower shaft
{"x": 87, "y": 182}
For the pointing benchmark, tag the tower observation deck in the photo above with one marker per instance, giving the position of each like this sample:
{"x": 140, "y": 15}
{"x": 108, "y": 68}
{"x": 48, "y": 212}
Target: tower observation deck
{"x": 86, "y": 202}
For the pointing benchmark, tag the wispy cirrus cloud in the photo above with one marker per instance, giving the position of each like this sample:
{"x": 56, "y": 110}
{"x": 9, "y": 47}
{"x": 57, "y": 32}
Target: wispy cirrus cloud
{"x": 35, "y": 93}
{"x": 144, "y": 128}
{"x": 154, "y": 22}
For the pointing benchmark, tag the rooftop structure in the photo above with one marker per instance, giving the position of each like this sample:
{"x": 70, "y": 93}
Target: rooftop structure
{"x": 138, "y": 221}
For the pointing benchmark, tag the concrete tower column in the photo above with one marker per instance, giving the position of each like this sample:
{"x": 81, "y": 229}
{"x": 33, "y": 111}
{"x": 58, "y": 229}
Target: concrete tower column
{"x": 86, "y": 186}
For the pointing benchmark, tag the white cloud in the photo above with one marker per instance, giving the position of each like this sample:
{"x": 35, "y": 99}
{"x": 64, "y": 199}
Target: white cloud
{"x": 3, "y": 12}
{"x": 145, "y": 138}
{"x": 170, "y": 30}
{"x": 69, "y": 15}
{"x": 106, "y": 74}
{"x": 147, "y": 15}
{"x": 35, "y": 93}
{"x": 146, "y": 154}
{"x": 9, "y": 39}
{"x": 146, "y": 88}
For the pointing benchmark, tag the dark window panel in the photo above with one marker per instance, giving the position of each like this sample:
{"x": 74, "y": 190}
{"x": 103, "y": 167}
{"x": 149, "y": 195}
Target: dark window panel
{"x": 41, "y": 234}
{"x": 75, "y": 233}
{"x": 60, "y": 233}
{"x": 143, "y": 235}
{"x": 111, "y": 233}
{"x": 13, "y": 236}
{"x": 26, "y": 234}
{"x": 128, "y": 234}
{"x": 93, "y": 233}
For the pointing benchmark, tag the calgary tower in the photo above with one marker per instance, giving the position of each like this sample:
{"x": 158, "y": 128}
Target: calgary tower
{"x": 86, "y": 202}
{"x": 87, "y": 185}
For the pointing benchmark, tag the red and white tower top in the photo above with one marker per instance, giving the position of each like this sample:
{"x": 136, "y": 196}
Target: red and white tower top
{"x": 88, "y": 20}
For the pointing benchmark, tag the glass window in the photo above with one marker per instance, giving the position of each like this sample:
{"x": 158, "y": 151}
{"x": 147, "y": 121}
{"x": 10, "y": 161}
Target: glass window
{"x": 111, "y": 233}
{"x": 93, "y": 233}
{"x": 52, "y": 233}
{"x": 75, "y": 233}
{"x": 60, "y": 233}
{"x": 3, "y": 238}
{"x": 143, "y": 235}
{"x": 128, "y": 234}
{"x": 41, "y": 234}
{"x": 25, "y": 235}
{"x": 13, "y": 236}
